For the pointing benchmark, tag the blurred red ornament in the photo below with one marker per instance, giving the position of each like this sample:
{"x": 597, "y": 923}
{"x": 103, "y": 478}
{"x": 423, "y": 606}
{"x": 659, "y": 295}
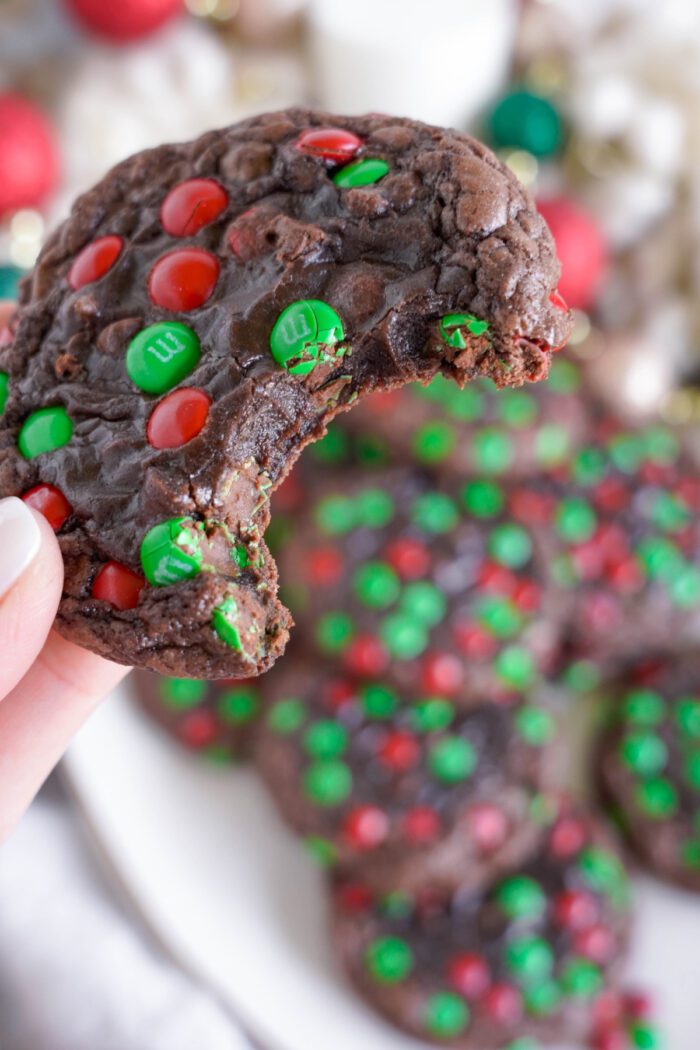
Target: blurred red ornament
{"x": 121, "y": 21}
{"x": 581, "y": 248}
{"x": 29, "y": 164}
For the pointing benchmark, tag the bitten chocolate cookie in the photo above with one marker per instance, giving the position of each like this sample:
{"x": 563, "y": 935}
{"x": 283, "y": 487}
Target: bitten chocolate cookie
{"x": 415, "y": 788}
{"x": 203, "y": 313}
{"x": 650, "y": 764}
{"x": 432, "y": 587}
{"x": 526, "y": 957}
{"x": 479, "y": 430}
{"x": 214, "y": 719}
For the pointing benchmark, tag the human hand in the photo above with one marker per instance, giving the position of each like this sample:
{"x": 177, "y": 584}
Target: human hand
{"x": 48, "y": 686}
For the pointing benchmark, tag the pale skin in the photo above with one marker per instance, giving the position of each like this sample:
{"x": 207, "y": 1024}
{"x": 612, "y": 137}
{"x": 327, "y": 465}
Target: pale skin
{"x": 48, "y": 686}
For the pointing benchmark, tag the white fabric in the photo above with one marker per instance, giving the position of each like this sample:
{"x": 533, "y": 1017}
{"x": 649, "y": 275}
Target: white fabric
{"x": 75, "y": 972}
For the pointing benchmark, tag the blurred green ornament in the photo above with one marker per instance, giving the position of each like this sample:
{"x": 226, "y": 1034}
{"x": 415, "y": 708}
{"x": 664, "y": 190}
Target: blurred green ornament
{"x": 523, "y": 120}
{"x": 10, "y": 277}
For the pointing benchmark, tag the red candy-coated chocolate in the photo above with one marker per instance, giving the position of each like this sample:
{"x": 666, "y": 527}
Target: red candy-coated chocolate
{"x": 567, "y": 837}
{"x": 178, "y": 418}
{"x": 324, "y": 566}
{"x": 420, "y": 825}
{"x": 503, "y": 1004}
{"x": 50, "y": 502}
{"x": 581, "y": 249}
{"x": 184, "y": 279}
{"x": 559, "y": 302}
{"x": 191, "y": 206}
{"x": 124, "y": 20}
{"x": 95, "y": 260}
{"x": 469, "y": 974}
{"x": 442, "y": 673}
{"x": 526, "y": 595}
{"x": 409, "y": 557}
{"x": 366, "y": 827}
{"x": 399, "y": 751}
{"x": 474, "y": 641}
{"x": 337, "y": 693}
{"x": 575, "y": 909}
{"x": 531, "y": 508}
{"x": 353, "y": 897}
{"x": 198, "y": 729}
{"x": 610, "y": 1039}
{"x": 601, "y": 611}
{"x": 638, "y": 1005}
{"x": 118, "y": 585}
{"x": 332, "y": 144}
{"x": 595, "y": 944}
{"x": 488, "y": 826}
{"x": 497, "y": 579}
{"x": 366, "y": 656}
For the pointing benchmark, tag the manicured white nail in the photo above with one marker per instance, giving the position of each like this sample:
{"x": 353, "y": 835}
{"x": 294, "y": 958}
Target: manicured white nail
{"x": 20, "y": 540}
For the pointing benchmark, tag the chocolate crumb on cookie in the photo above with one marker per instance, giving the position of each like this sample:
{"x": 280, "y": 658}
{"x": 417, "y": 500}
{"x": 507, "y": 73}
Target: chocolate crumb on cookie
{"x": 199, "y": 318}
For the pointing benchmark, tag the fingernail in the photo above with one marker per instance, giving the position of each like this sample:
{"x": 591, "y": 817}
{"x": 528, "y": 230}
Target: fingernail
{"x": 20, "y": 540}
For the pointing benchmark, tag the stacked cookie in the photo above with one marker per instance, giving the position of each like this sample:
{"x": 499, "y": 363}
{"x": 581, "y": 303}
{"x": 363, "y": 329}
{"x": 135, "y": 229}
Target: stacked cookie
{"x": 453, "y": 559}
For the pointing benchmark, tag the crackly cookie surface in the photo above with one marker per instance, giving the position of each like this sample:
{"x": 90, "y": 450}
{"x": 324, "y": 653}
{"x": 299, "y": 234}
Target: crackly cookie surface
{"x": 650, "y": 763}
{"x": 201, "y": 315}
{"x": 524, "y": 960}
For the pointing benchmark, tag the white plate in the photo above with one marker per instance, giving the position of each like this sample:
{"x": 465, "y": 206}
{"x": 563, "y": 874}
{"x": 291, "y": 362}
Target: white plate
{"x": 231, "y": 894}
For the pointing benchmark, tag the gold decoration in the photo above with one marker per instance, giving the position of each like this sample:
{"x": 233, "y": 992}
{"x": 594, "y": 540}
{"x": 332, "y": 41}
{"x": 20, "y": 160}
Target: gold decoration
{"x": 26, "y": 235}
{"x": 523, "y": 165}
{"x": 218, "y": 10}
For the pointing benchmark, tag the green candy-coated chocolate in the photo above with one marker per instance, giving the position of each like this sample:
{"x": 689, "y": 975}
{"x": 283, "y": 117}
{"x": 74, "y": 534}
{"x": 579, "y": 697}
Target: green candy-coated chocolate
{"x": 171, "y": 552}
{"x": 363, "y": 172}
{"x": 688, "y": 717}
{"x": 521, "y": 897}
{"x": 516, "y": 408}
{"x": 530, "y": 960}
{"x": 432, "y": 714}
{"x": 238, "y": 706}
{"x": 535, "y": 726}
{"x": 492, "y": 450}
{"x": 692, "y": 770}
{"x": 325, "y": 739}
{"x": 435, "y": 512}
{"x": 483, "y": 498}
{"x": 286, "y": 716}
{"x": 378, "y": 701}
{"x": 389, "y": 960}
{"x": 223, "y": 620}
{"x": 551, "y": 445}
{"x": 644, "y": 707}
{"x": 44, "y": 431}
{"x": 542, "y": 999}
{"x": 581, "y": 979}
{"x": 334, "y": 631}
{"x": 304, "y": 333}
{"x": 433, "y": 442}
{"x": 499, "y": 616}
{"x": 376, "y": 585}
{"x": 446, "y": 1015}
{"x": 564, "y": 376}
{"x": 182, "y": 693}
{"x": 403, "y": 637}
{"x": 658, "y": 798}
{"x": 424, "y": 601}
{"x": 4, "y": 391}
{"x": 161, "y": 356}
{"x": 510, "y": 545}
{"x": 452, "y": 759}
{"x": 515, "y": 666}
{"x": 327, "y": 782}
{"x": 575, "y": 520}
{"x": 603, "y": 872}
{"x": 644, "y": 752}
{"x": 644, "y": 1036}
{"x": 336, "y": 515}
{"x": 333, "y": 447}
{"x": 321, "y": 850}
{"x": 374, "y": 508}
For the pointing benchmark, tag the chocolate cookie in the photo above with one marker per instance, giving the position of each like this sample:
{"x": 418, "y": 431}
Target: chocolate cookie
{"x": 431, "y": 587}
{"x": 204, "y": 312}
{"x": 415, "y": 788}
{"x": 214, "y": 719}
{"x": 525, "y": 958}
{"x": 619, "y": 542}
{"x": 479, "y": 430}
{"x": 650, "y": 764}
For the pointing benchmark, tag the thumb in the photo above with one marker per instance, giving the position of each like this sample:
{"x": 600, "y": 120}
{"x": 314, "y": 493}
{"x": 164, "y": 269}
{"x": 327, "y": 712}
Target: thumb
{"x": 31, "y": 580}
